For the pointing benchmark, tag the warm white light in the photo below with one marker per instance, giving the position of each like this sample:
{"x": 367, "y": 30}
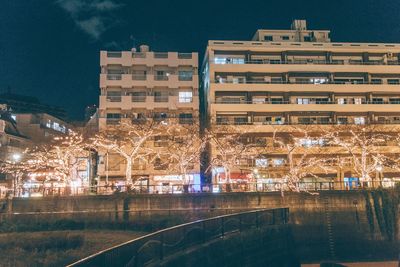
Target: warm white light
{"x": 16, "y": 157}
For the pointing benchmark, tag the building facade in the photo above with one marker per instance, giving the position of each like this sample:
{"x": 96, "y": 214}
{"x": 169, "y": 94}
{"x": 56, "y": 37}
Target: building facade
{"x": 146, "y": 85}
{"x": 285, "y": 79}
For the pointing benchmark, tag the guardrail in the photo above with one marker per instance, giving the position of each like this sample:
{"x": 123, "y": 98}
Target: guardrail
{"x": 157, "y": 246}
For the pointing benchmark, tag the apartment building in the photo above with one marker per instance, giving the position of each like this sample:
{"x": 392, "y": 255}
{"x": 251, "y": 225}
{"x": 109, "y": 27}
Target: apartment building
{"x": 136, "y": 85}
{"x": 298, "y": 77}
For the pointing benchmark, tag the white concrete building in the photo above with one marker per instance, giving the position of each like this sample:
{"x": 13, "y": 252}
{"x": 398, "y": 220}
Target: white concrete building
{"x": 299, "y": 77}
{"x": 145, "y": 84}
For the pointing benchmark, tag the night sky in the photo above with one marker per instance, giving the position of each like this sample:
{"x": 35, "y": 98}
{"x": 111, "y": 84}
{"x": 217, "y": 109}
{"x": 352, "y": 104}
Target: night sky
{"x": 50, "y": 49}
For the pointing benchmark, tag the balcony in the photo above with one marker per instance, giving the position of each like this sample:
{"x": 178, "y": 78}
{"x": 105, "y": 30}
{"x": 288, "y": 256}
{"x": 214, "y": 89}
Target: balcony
{"x": 221, "y": 60}
{"x": 114, "y": 77}
{"x": 139, "y": 77}
{"x": 161, "y": 77}
{"x": 223, "y": 81}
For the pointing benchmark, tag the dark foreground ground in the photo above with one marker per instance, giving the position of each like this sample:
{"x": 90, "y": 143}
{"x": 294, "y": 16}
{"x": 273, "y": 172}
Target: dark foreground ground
{"x": 56, "y": 248}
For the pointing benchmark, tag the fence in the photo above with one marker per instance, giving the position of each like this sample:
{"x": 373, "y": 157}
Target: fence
{"x": 156, "y": 246}
{"x": 41, "y": 191}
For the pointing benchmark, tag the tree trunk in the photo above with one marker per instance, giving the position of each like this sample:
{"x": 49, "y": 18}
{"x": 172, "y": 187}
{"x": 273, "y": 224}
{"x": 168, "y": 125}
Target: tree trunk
{"x": 228, "y": 180}
{"x": 128, "y": 172}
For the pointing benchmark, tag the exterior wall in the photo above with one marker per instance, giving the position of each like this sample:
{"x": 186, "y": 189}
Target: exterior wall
{"x": 145, "y": 84}
{"x": 352, "y": 221}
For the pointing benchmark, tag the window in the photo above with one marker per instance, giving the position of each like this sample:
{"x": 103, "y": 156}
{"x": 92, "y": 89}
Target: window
{"x": 114, "y": 96}
{"x": 377, "y": 100}
{"x": 276, "y": 80}
{"x": 393, "y": 81}
{"x": 240, "y": 120}
{"x": 285, "y": 38}
{"x": 303, "y": 101}
{"x": 359, "y": 120}
{"x": 262, "y": 163}
{"x": 185, "y": 97}
{"x": 186, "y": 118}
{"x": 160, "y": 116}
{"x": 307, "y": 38}
{"x": 268, "y": 38}
{"x": 159, "y": 165}
{"x": 228, "y": 60}
{"x": 341, "y": 101}
{"x": 342, "y": 120}
{"x": 161, "y": 141}
{"x": 376, "y": 81}
{"x": 161, "y": 75}
{"x": 309, "y": 142}
{"x": 139, "y": 97}
{"x": 358, "y": 101}
{"x": 113, "y": 118}
{"x": 278, "y": 162}
{"x": 184, "y": 75}
{"x": 160, "y": 96}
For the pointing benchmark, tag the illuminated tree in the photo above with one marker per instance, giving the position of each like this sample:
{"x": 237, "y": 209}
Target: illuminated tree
{"x": 304, "y": 157}
{"x": 184, "y": 148}
{"x": 364, "y": 145}
{"x": 58, "y": 159}
{"x": 228, "y": 148}
{"x": 129, "y": 141}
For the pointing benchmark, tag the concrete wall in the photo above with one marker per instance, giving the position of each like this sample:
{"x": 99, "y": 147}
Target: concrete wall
{"x": 332, "y": 225}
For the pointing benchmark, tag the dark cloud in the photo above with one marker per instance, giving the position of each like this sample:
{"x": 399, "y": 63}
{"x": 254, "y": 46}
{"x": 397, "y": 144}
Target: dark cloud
{"x": 91, "y": 17}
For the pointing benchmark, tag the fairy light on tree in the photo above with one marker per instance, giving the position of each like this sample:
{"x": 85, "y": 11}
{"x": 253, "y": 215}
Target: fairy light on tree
{"x": 128, "y": 140}
{"x": 303, "y": 154}
{"x": 184, "y": 149}
{"x": 364, "y": 145}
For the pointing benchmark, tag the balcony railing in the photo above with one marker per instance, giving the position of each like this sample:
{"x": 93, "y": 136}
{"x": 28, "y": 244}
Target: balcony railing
{"x": 138, "y": 98}
{"x": 138, "y": 55}
{"x": 139, "y": 77}
{"x": 234, "y": 101}
{"x": 160, "y": 77}
{"x": 113, "y": 121}
{"x": 160, "y": 55}
{"x": 114, "y": 77}
{"x": 185, "y": 55}
{"x": 159, "y": 99}
{"x": 114, "y": 98}
{"x": 114, "y": 54}
{"x": 222, "y": 81}
{"x": 185, "y": 78}
{"x": 224, "y": 122}
{"x": 313, "y": 61}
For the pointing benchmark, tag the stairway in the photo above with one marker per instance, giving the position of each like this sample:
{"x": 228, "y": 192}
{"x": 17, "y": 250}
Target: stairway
{"x": 329, "y": 226}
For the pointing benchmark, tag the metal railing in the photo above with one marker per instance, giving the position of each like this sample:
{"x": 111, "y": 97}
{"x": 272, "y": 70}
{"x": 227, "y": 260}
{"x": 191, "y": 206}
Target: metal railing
{"x": 157, "y": 246}
{"x": 220, "y": 121}
{"x": 234, "y": 186}
{"x": 223, "y": 80}
{"x": 114, "y": 54}
{"x": 185, "y": 55}
{"x": 160, "y": 55}
{"x": 240, "y": 101}
{"x": 311, "y": 61}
